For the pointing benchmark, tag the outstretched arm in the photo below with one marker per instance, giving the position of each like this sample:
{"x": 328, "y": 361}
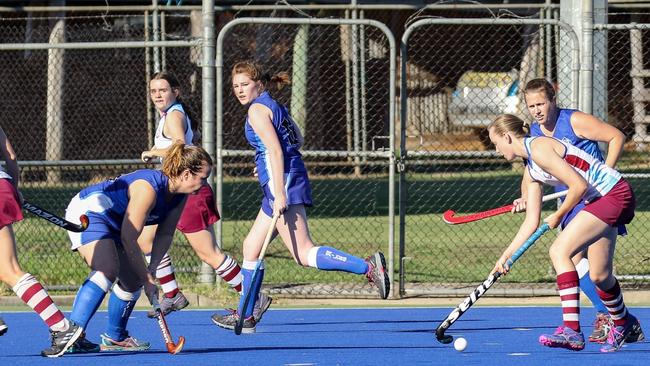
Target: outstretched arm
{"x": 142, "y": 198}
{"x": 533, "y": 211}
{"x": 164, "y": 236}
{"x": 548, "y": 154}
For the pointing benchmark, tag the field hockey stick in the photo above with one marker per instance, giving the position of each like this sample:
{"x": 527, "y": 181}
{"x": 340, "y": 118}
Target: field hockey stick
{"x": 172, "y": 347}
{"x": 260, "y": 259}
{"x": 482, "y": 288}
{"x": 56, "y": 220}
{"x": 450, "y": 218}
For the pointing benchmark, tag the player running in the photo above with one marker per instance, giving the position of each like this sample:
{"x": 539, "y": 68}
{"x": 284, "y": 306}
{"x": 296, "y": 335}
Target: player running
{"x": 609, "y": 202}
{"x": 118, "y": 210}
{"x": 283, "y": 178}
{"x": 200, "y": 212}
{"x": 62, "y": 332}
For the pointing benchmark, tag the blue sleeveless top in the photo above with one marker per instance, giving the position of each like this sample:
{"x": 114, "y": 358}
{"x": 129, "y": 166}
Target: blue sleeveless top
{"x": 564, "y": 132}
{"x": 117, "y": 191}
{"x": 285, "y": 130}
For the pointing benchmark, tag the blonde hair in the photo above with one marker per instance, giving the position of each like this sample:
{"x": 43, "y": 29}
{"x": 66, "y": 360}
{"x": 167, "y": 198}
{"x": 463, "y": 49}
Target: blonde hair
{"x": 508, "y": 123}
{"x": 181, "y": 157}
{"x": 255, "y": 72}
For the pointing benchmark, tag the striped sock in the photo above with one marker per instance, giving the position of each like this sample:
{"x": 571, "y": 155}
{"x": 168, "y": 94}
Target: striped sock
{"x": 613, "y": 299}
{"x": 230, "y": 271}
{"x": 166, "y": 277}
{"x": 567, "y": 284}
{"x": 33, "y": 294}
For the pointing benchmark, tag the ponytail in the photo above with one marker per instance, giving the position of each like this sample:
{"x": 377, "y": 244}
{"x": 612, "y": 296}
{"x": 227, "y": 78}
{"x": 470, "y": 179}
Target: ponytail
{"x": 508, "y": 123}
{"x": 181, "y": 157}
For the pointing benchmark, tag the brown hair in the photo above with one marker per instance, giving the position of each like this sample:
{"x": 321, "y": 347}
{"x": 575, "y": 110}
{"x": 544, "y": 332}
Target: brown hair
{"x": 181, "y": 157}
{"x": 174, "y": 84}
{"x": 540, "y": 85}
{"x": 509, "y": 123}
{"x": 255, "y": 72}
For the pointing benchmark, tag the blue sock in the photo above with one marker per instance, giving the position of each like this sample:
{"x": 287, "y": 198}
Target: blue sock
{"x": 89, "y": 297}
{"x": 330, "y": 259}
{"x": 120, "y": 306}
{"x": 588, "y": 288}
{"x": 247, "y": 271}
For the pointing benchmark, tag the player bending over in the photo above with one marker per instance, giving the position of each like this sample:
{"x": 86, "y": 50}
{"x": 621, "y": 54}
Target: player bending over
{"x": 609, "y": 202}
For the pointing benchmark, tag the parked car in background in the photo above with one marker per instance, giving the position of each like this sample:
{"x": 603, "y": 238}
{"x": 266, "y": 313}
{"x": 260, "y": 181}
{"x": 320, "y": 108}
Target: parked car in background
{"x": 481, "y": 96}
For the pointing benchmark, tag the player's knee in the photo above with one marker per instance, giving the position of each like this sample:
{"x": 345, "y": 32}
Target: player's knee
{"x": 10, "y": 274}
{"x": 557, "y": 253}
{"x": 100, "y": 279}
{"x": 110, "y": 272}
{"x": 127, "y": 291}
{"x": 599, "y": 278}
{"x": 301, "y": 261}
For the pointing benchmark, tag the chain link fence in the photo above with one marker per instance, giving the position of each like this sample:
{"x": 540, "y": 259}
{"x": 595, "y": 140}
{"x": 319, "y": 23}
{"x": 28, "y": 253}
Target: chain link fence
{"x": 76, "y": 110}
{"x": 627, "y": 101}
{"x": 75, "y": 106}
{"x": 453, "y": 91}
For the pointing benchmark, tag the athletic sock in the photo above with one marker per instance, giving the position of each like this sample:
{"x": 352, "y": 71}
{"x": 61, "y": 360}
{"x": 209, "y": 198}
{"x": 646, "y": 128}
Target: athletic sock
{"x": 166, "y": 276}
{"x": 120, "y": 306}
{"x": 230, "y": 271}
{"x": 567, "y": 284}
{"x": 89, "y": 297}
{"x": 34, "y": 295}
{"x": 613, "y": 300}
{"x": 587, "y": 286}
{"x": 330, "y": 259}
{"x": 248, "y": 268}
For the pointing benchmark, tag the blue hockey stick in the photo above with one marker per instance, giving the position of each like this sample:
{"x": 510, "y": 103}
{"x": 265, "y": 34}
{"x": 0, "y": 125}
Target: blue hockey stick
{"x": 260, "y": 259}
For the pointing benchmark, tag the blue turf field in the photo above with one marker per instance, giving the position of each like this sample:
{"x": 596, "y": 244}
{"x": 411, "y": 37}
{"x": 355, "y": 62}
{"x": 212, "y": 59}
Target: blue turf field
{"x": 376, "y": 336}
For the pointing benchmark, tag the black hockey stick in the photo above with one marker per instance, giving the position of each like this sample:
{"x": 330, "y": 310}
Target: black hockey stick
{"x": 56, "y": 220}
{"x": 482, "y": 288}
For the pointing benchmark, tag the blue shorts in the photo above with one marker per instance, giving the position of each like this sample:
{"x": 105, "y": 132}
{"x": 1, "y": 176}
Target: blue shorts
{"x": 297, "y": 189}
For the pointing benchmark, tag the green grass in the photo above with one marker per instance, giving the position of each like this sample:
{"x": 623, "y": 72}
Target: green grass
{"x": 351, "y": 214}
